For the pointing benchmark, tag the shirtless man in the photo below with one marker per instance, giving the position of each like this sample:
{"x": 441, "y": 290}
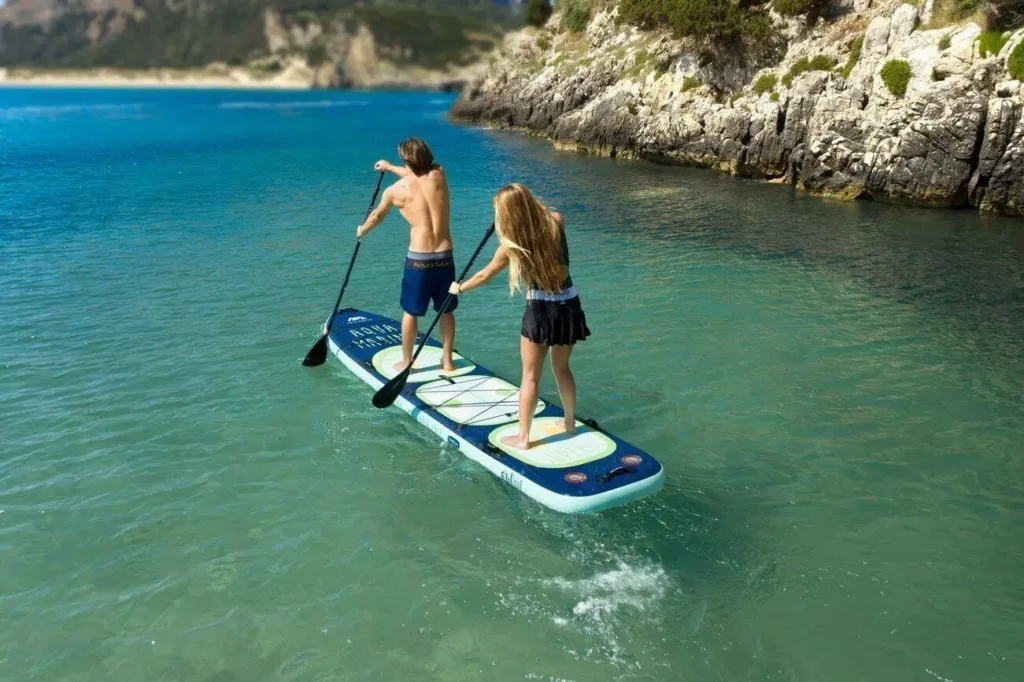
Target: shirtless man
{"x": 421, "y": 195}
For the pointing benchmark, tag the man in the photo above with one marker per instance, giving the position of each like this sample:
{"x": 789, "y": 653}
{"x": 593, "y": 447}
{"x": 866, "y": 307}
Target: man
{"x": 421, "y": 195}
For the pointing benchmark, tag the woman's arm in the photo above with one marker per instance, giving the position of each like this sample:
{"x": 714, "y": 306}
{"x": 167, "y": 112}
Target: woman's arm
{"x": 497, "y": 264}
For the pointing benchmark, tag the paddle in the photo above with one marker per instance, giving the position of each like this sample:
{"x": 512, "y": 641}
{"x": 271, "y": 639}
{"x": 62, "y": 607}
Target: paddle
{"x": 317, "y": 355}
{"x": 386, "y": 395}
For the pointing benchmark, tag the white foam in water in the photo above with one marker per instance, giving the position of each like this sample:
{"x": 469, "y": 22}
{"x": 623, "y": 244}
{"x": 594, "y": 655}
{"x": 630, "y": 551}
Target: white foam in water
{"x": 12, "y": 113}
{"x": 606, "y": 604}
{"x": 312, "y": 104}
{"x": 635, "y": 587}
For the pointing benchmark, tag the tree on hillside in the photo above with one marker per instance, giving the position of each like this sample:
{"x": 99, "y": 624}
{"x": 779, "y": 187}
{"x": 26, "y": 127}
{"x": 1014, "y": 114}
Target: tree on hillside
{"x": 1008, "y": 14}
{"x": 317, "y": 55}
{"x": 537, "y": 12}
{"x": 812, "y": 8}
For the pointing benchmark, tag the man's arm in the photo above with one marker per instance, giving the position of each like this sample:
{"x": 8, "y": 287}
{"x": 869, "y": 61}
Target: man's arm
{"x": 400, "y": 171}
{"x": 387, "y": 200}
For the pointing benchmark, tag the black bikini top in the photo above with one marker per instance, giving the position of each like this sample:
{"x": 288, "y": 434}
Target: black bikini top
{"x": 565, "y": 258}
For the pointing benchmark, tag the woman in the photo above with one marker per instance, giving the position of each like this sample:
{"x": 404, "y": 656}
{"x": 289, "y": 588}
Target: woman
{"x": 534, "y": 248}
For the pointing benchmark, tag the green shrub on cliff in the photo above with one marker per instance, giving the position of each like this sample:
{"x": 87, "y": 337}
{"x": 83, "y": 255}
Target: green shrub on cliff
{"x": 1015, "y": 64}
{"x": 896, "y": 75}
{"x": 765, "y": 83}
{"x": 812, "y": 8}
{"x": 821, "y": 62}
{"x": 1005, "y": 14}
{"x": 537, "y": 12}
{"x": 644, "y": 63}
{"x": 945, "y": 41}
{"x": 544, "y": 42}
{"x": 690, "y": 83}
{"x": 991, "y": 42}
{"x": 576, "y": 16}
{"x": 718, "y": 20}
{"x": 851, "y": 61}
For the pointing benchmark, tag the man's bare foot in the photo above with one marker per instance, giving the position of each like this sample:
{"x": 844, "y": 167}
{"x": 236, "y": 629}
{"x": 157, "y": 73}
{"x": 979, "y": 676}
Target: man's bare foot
{"x": 448, "y": 365}
{"x": 400, "y": 366}
{"x": 569, "y": 428}
{"x": 516, "y": 442}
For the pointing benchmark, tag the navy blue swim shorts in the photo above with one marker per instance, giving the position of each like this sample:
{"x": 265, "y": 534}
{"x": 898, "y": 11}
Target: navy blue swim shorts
{"x": 427, "y": 278}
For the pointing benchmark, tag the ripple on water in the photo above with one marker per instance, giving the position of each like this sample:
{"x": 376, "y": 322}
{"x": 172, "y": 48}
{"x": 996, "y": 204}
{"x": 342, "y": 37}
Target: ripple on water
{"x": 833, "y": 389}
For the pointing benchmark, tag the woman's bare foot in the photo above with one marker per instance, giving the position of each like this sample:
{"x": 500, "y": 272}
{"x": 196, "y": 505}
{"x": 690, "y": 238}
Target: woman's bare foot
{"x": 516, "y": 442}
{"x": 400, "y": 366}
{"x": 448, "y": 365}
{"x": 569, "y": 428}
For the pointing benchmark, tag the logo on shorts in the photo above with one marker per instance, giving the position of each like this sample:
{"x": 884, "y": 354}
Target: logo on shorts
{"x": 631, "y": 460}
{"x": 575, "y": 477}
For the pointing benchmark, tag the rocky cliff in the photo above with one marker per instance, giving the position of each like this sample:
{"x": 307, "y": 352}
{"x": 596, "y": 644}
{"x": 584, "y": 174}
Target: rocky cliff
{"x": 832, "y": 116}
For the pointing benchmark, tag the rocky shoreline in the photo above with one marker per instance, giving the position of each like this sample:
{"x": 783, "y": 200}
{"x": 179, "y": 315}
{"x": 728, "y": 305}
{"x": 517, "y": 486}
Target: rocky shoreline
{"x": 955, "y": 138}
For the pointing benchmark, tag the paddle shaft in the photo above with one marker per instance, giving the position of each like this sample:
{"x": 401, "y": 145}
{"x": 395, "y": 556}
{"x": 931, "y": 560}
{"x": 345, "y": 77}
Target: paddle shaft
{"x": 351, "y": 263}
{"x": 448, "y": 299}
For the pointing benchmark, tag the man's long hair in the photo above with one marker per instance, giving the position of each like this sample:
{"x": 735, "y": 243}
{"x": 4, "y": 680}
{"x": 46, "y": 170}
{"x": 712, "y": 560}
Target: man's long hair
{"x": 415, "y": 154}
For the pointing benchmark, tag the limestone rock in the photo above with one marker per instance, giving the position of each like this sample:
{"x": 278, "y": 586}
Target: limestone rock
{"x": 836, "y": 145}
{"x": 873, "y": 51}
{"x": 956, "y": 137}
{"x": 904, "y": 21}
{"x": 1008, "y": 88}
{"x": 957, "y": 59}
{"x": 998, "y": 181}
{"x": 923, "y": 153}
{"x": 927, "y": 11}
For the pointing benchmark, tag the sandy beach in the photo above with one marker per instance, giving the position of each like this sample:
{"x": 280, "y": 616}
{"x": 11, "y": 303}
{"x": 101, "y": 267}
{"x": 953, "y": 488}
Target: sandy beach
{"x": 292, "y": 78}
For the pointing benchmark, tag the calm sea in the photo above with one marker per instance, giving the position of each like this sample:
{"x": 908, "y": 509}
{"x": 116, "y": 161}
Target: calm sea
{"x": 835, "y": 391}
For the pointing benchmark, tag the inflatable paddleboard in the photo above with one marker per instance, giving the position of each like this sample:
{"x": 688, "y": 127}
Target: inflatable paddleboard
{"x": 472, "y": 409}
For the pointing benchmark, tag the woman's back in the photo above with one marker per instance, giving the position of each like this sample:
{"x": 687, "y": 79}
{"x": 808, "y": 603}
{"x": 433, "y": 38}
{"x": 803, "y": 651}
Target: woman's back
{"x": 558, "y": 227}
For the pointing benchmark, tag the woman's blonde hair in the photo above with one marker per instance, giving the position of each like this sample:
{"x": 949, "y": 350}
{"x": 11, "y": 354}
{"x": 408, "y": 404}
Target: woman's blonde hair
{"x": 530, "y": 235}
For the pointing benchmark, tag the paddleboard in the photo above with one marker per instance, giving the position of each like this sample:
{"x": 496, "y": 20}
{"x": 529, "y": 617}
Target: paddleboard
{"x": 472, "y": 408}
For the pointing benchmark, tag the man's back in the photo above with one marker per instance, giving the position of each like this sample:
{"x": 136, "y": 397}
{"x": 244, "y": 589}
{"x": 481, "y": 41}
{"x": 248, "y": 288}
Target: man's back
{"x": 424, "y": 203}
{"x": 421, "y": 194}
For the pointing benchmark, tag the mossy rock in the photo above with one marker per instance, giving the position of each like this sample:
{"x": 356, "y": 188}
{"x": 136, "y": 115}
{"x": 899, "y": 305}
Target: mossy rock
{"x": 1015, "y": 63}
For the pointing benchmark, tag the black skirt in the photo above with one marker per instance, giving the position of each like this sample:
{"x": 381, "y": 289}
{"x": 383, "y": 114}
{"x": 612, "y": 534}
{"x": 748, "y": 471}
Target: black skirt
{"x": 555, "y": 323}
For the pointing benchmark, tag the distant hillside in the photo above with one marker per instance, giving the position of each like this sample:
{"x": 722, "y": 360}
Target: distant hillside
{"x": 266, "y": 34}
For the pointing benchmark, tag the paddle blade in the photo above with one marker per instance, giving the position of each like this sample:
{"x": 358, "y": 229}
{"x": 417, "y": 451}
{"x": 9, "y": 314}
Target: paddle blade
{"x": 317, "y": 355}
{"x": 389, "y": 392}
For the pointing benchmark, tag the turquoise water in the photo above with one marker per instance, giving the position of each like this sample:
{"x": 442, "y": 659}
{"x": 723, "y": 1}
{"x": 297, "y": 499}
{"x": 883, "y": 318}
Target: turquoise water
{"x": 834, "y": 390}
